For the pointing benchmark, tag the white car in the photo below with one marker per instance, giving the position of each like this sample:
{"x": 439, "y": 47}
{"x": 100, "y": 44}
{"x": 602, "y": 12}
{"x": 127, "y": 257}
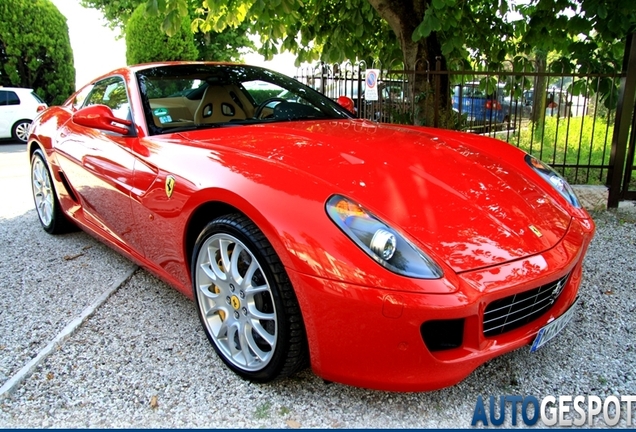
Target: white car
{"x": 18, "y": 108}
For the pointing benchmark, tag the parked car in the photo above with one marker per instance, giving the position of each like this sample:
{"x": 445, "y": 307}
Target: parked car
{"x": 385, "y": 256}
{"x": 18, "y": 107}
{"x": 480, "y": 108}
{"x": 393, "y": 98}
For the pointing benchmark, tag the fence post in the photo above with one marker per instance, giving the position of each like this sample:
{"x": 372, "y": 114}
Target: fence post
{"x": 322, "y": 77}
{"x": 626, "y": 96}
{"x": 438, "y": 68}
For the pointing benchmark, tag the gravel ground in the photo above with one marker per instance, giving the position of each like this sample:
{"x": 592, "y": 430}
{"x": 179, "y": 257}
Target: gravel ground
{"x": 143, "y": 361}
{"x": 45, "y": 282}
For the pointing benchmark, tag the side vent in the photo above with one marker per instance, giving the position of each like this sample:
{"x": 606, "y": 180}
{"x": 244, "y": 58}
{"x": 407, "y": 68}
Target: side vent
{"x": 67, "y": 187}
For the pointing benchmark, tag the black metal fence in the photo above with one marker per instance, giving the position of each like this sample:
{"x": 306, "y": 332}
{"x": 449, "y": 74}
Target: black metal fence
{"x": 572, "y": 123}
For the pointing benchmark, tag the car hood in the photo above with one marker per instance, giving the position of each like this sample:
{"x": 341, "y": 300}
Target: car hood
{"x": 462, "y": 203}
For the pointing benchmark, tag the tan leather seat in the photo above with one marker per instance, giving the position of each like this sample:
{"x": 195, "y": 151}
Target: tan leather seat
{"x": 218, "y": 106}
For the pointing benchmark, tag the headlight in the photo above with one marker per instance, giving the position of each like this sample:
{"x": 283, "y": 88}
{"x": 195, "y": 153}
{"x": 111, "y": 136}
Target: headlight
{"x": 379, "y": 241}
{"x": 554, "y": 179}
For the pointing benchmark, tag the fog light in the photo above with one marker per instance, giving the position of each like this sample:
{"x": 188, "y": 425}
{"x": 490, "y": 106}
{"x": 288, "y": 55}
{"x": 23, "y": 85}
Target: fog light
{"x": 383, "y": 243}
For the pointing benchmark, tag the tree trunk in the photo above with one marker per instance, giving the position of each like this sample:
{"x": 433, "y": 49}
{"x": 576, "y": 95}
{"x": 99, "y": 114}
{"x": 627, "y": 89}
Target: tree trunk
{"x": 538, "y": 98}
{"x": 431, "y": 92}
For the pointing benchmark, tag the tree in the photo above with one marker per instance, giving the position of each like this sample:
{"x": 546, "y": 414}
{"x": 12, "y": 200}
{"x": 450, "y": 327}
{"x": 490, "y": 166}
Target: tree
{"x": 35, "y": 50}
{"x": 587, "y": 36}
{"x": 146, "y": 42}
{"x": 226, "y": 45}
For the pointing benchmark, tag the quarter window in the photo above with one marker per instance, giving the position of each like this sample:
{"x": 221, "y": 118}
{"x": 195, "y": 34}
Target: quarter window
{"x": 80, "y": 97}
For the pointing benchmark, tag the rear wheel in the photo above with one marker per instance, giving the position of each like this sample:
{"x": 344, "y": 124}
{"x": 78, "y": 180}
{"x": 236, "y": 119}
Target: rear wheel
{"x": 46, "y": 203}
{"x": 245, "y": 301}
{"x": 20, "y": 130}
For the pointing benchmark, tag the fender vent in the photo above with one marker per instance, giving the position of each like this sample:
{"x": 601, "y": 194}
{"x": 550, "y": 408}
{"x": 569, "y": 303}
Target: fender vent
{"x": 67, "y": 187}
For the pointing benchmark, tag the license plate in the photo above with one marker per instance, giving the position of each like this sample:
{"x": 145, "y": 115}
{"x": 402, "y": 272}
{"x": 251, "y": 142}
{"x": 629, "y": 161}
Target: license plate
{"x": 553, "y": 328}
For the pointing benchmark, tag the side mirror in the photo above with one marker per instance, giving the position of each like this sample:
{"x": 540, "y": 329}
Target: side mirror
{"x": 347, "y": 103}
{"x": 101, "y": 117}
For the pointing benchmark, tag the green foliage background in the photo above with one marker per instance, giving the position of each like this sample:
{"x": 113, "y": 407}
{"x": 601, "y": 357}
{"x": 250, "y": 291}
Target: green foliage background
{"x": 35, "y": 50}
{"x": 147, "y": 42}
{"x": 226, "y": 45}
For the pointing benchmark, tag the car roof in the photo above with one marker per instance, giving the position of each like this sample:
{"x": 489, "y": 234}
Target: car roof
{"x": 18, "y": 89}
{"x": 132, "y": 69}
{"x": 144, "y": 66}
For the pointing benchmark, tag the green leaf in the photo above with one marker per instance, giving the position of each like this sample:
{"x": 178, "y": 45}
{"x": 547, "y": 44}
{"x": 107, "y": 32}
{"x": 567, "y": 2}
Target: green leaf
{"x": 171, "y": 23}
{"x": 436, "y": 24}
{"x": 439, "y": 4}
{"x": 503, "y": 7}
{"x": 422, "y": 30}
{"x": 601, "y": 11}
{"x": 183, "y": 8}
{"x": 578, "y": 87}
{"x": 447, "y": 48}
{"x": 152, "y": 7}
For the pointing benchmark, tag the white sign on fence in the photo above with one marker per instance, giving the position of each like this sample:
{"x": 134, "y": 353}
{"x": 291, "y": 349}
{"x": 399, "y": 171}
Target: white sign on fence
{"x": 371, "y": 89}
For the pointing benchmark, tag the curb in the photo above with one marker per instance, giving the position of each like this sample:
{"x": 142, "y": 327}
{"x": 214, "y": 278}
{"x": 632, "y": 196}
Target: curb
{"x": 10, "y": 385}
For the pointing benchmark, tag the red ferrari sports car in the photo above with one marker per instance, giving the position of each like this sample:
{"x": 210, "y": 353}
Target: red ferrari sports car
{"x": 385, "y": 256}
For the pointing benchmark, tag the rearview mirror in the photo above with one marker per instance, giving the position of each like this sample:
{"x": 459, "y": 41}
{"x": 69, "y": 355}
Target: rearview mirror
{"x": 101, "y": 117}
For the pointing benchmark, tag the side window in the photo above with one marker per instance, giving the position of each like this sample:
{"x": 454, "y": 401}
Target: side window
{"x": 112, "y": 93}
{"x": 8, "y": 97}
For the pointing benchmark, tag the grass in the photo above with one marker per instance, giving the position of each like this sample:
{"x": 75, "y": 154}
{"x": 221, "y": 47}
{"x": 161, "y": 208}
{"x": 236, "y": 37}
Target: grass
{"x": 569, "y": 141}
{"x": 263, "y": 411}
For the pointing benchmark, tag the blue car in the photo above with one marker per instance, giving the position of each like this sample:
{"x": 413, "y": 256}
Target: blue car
{"x": 478, "y": 107}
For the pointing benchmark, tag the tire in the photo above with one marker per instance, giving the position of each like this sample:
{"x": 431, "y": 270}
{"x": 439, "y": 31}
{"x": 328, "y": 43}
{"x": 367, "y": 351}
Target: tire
{"x": 46, "y": 202}
{"x": 254, "y": 323}
{"x": 20, "y": 131}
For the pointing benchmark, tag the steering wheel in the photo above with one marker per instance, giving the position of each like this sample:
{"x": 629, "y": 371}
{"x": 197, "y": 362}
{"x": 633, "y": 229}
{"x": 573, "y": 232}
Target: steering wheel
{"x": 259, "y": 110}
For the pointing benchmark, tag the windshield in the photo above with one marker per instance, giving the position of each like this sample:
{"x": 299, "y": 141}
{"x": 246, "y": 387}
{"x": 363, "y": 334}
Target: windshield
{"x": 186, "y": 97}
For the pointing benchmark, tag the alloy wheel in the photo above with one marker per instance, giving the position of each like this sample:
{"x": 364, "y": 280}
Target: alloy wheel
{"x": 236, "y": 302}
{"x": 42, "y": 191}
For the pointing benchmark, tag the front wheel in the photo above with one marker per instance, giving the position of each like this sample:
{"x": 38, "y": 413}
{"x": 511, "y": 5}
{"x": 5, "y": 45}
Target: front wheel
{"x": 46, "y": 203}
{"x": 245, "y": 301}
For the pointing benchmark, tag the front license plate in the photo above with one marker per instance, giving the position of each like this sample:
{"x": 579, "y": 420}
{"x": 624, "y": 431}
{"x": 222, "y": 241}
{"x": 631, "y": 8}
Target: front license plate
{"x": 553, "y": 328}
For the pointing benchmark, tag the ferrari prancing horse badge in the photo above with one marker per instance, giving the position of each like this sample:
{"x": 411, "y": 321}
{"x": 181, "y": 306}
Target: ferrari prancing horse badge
{"x": 536, "y": 231}
{"x": 169, "y": 185}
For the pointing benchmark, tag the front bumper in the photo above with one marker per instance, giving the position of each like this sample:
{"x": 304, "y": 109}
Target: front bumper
{"x": 371, "y": 337}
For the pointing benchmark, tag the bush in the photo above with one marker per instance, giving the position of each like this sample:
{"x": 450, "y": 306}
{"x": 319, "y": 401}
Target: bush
{"x": 146, "y": 42}
{"x": 35, "y": 50}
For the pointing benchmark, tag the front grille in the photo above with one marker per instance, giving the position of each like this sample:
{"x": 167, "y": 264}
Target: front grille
{"x": 515, "y": 311}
